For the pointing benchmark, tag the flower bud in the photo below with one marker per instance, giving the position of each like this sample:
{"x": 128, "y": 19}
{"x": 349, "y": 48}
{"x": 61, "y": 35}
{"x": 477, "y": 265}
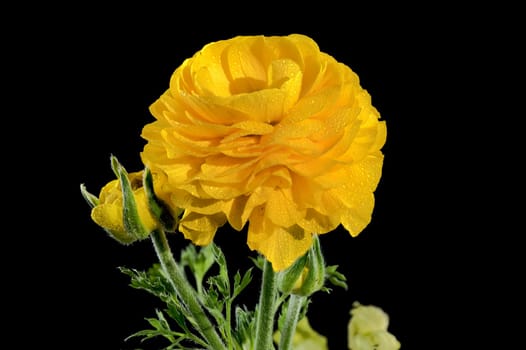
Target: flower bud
{"x": 307, "y": 275}
{"x": 122, "y": 207}
{"x": 291, "y": 278}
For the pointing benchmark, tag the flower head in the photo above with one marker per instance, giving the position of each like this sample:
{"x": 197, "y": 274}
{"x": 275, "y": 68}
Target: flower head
{"x": 269, "y": 131}
{"x": 109, "y": 210}
{"x": 367, "y": 329}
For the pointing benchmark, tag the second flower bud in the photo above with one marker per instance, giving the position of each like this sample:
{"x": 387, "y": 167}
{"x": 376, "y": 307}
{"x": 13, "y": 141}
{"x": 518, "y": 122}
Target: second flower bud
{"x": 307, "y": 275}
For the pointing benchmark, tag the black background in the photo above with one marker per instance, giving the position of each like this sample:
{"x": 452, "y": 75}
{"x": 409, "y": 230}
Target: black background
{"x": 111, "y": 64}
{"x": 124, "y": 68}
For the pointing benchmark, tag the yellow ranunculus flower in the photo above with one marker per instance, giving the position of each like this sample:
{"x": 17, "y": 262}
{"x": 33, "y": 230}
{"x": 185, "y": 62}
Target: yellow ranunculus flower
{"x": 109, "y": 212}
{"x": 367, "y": 329}
{"x": 271, "y": 131}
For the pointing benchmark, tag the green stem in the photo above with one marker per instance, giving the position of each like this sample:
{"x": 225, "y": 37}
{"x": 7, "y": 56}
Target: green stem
{"x": 291, "y": 321}
{"x": 228, "y": 312}
{"x": 184, "y": 290}
{"x": 266, "y": 310}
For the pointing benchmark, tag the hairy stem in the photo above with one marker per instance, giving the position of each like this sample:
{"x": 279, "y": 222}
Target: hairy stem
{"x": 291, "y": 321}
{"x": 185, "y": 291}
{"x": 266, "y": 309}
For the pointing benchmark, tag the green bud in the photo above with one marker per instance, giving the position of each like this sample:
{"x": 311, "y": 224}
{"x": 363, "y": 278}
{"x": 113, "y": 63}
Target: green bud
{"x": 314, "y": 276}
{"x": 288, "y": 278}
{"x": 307, "y": 275}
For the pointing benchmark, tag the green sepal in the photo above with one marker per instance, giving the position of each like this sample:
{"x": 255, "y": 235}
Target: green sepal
{"x": 158, "y": 208}
{"x": 92, "y": 200}
{"x": 315, "y": 278}
{"x": 115, "y": 165}
{"x": 286, "y": 280}
{"x": 123, "y": 237}
{"x": 130, "y": 215}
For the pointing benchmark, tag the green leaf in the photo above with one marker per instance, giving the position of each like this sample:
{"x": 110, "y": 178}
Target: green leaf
{"x": 213, "y": 298}
{"x": 152, "y": 281}
{"x": 176, "y": 324}
{"x": 304, "y": 307}
{"x": 221, "y": 285}
{"x": 258, "y": 261}
{"x": 161, "y": 328}
{"x": 199, "y": 263}
{"x": 178, "y": 316}
{"x": 241, "y": 284}
{"x": 222, "y": 280}
{"x": 282, "y": 318}
{"x": 244, "y": 332}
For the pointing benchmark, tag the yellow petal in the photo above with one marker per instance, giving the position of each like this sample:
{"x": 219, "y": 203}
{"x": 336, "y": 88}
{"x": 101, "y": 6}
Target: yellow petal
{"x": 248, "y": 127}
{"x": 263, "y": 105}
{"x": 218, "y": 190}
{"x": 143, "y": 210}
{"x": 245, "y": 70}
{"x": 280, "y": 209}
{"x": 316, "y": 222}
{"x": 200, "y": 229}
{"x": 205, "y": 206}
{"x": 111, "y": 192}
{"x": 109, "y": 216}
{"x": 286, "y": 75}
{"x": 280, "y": 246}
{"x": 234, "y": 209}
{"x": 226, "y": 169}
{"x": 204, "y": 72}
{"x": 177, "y": 171}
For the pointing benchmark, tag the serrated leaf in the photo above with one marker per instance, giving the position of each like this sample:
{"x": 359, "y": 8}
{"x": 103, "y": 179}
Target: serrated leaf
{"x": 304, "y": 307}
{"x": 221, "y": 284}
{"x": 218, "y": 254}
{"x": 240, "y": 285}
{"x": 223, "y": 278}
{"x": 199, "y": 262}
{"x": 161, "y": 328}
{"x": 178, "y": 316}
{"x": 258, "y": 261}
{"x": 153, "y": 281}
{"x": 212, "y": 299}
{"x": 282, "y": 317}
{"x": 244, "y": 332}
